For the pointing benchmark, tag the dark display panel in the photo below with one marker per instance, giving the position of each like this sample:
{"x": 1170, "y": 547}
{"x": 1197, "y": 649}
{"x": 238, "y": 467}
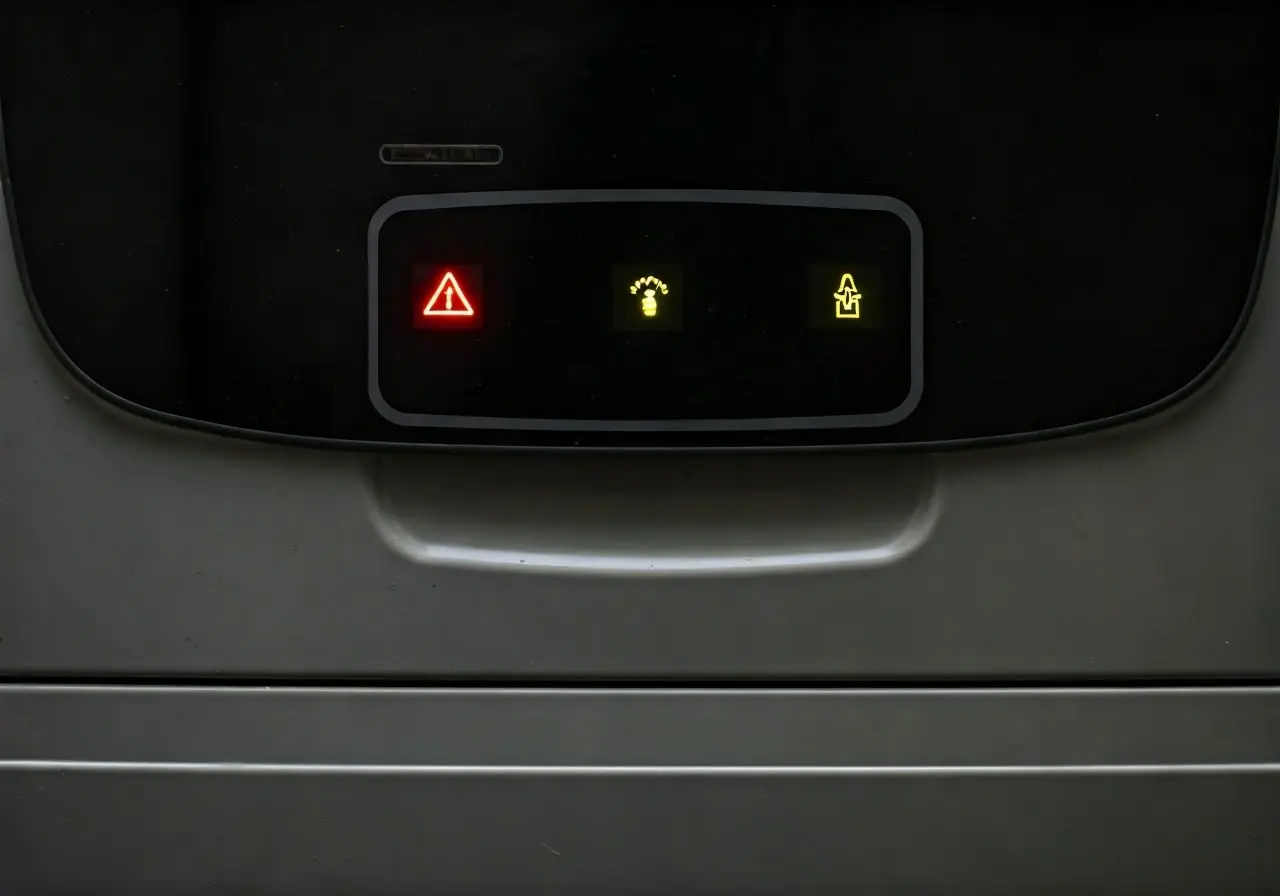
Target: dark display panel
{"x": 677, "y": 309}
{"x": 1093, "y": 183}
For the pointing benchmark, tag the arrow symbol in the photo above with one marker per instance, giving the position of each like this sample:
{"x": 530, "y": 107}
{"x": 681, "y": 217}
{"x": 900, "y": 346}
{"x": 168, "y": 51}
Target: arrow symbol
{"x": 448, "y": 288}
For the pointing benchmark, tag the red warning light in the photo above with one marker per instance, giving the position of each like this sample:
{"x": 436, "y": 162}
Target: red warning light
{"x": 448, "y": 290}
{"x": 450, "y": 298}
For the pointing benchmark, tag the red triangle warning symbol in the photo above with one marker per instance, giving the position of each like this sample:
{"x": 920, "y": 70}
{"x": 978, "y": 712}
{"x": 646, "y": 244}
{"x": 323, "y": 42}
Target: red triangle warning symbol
{"x": 448, "y": 300}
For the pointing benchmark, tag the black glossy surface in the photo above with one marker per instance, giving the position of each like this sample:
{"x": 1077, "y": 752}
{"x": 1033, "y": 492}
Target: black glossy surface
{"x": 1092, "y": 186}
{"x": 744, "y": 329}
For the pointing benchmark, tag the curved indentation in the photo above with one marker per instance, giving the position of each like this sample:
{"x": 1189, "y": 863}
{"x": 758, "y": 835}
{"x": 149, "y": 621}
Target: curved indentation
{"x": 687, "y": 515}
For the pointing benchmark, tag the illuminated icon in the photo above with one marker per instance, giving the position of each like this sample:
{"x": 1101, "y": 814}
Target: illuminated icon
{"x": 848, "y": 299}
{"x": 649, "y": 304}
{"x": 448, "y": 300}
{"x": 648, "y": 288}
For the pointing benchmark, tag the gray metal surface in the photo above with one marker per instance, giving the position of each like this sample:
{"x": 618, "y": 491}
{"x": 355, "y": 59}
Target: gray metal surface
{"x": 274, "y": 792}
{"x": 144, "y": 834}
{"x": 662, "y": 732}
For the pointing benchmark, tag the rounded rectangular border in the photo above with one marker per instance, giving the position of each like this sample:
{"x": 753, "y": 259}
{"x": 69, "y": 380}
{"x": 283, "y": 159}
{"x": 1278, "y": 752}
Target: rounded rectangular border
{"x": 852, "y": 202}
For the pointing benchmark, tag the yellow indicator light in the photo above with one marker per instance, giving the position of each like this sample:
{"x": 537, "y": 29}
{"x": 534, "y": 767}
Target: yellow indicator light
{"x": 649, "y": 304}
{"x": 848, "y": 299}
{"x": 648, "y": 288}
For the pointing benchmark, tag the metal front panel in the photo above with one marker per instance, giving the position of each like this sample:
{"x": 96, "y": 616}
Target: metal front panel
{"x": 132, "y": 549}
{"x": 279, "y": 791}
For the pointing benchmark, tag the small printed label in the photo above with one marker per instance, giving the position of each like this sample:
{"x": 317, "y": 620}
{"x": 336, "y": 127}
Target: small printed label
{"x": 441, "y": 154}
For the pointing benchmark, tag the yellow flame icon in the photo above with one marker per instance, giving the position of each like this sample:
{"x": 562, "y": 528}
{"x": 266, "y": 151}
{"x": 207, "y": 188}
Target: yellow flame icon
{"x": 848, "y": 299}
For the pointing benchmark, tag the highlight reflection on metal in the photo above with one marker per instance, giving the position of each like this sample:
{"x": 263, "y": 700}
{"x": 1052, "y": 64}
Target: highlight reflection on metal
{"x": 650, "y": 286}
{"x": 450, "y": 289}
{"x": 848, "y": 299}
